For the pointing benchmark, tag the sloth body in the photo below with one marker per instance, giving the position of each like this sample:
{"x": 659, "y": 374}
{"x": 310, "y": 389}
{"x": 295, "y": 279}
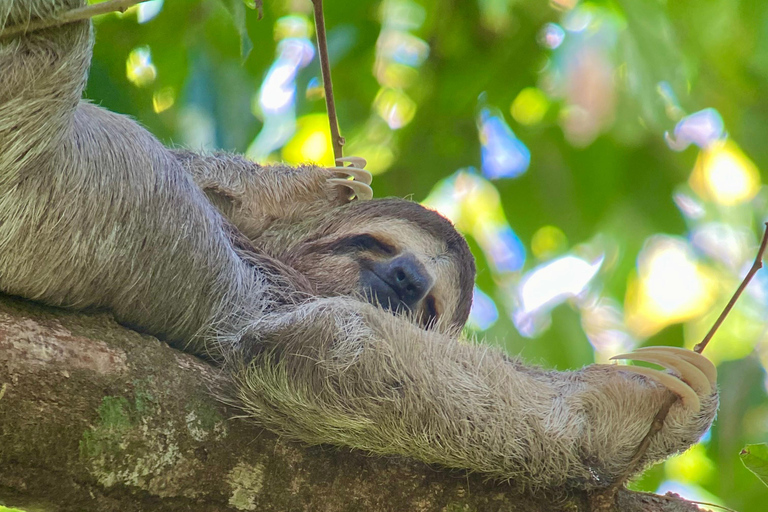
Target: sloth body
{"x": 96, "y": 213}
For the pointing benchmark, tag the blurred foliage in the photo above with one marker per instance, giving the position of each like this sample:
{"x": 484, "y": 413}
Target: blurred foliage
{"x": 611, "y": 156}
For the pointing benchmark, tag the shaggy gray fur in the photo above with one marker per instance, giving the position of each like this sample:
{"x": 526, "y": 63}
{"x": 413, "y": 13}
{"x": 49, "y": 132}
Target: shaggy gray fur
{"x": 95, "y": 212}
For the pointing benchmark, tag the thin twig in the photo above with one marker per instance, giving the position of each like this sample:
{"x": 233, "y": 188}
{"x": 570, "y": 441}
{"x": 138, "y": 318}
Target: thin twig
{"x": 757, "y": 265}
{"x": 325, "y": 71}
{"x": 658, "y": 420}
{"x": 82, "y": 13}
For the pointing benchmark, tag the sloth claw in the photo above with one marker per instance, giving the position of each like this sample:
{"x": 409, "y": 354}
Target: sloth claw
{"x": 361, "y": 190}
{"x": 694, "y": 375}
{"x": 360, "y": 175}
{"x": 360, "y": 180}
{"x": 356, "y": 161}
{"x": 702, "y": 363}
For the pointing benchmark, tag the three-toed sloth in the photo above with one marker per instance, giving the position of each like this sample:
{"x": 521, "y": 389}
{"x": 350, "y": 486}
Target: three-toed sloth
{"x": 340, "y": 320}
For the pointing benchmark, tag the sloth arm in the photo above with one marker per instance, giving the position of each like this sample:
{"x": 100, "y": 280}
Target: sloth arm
{"x": 343, "y": 372}
{"x": 252, "y": 196}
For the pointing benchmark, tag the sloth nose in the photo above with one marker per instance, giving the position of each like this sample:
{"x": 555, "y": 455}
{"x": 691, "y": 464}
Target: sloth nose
{"x": 409, "y": 279}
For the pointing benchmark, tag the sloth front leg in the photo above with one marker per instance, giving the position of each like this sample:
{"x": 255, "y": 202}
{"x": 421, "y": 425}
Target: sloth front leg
{"x": 253, "y": 196}
{"x": 342, "y": 372}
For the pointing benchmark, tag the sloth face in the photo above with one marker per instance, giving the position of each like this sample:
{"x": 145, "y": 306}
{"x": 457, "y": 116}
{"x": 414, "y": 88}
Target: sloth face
{"x": 394, "y": 277}
{"x": 390, "y": 252}
{"x": 395, "y": 264}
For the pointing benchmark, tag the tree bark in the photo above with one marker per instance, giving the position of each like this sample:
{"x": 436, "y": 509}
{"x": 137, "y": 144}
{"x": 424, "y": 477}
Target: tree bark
{"x": 94, "y": 416}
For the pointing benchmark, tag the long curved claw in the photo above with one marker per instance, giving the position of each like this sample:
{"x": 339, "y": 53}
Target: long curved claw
{"x": 361, "y": 190}
{"x": 684, "y": 391}
{"x": 356, "y": 161}
{"x": 687, "y": 372}
{"x": 360, "y": 175}
{"x": 699, "y": 361}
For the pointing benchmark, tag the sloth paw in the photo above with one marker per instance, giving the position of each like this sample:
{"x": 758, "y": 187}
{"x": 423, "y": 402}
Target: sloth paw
{"x": 353, "y": 181}
{"x": 692, "y": 375}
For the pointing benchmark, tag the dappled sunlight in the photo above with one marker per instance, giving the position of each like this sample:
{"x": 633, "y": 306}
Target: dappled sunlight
{"x": 693, "y": 466}
{"x": 671, "y": 286}
{"x": 163, "y": 99}
{"x": 148, "y": 10}
{"x": 548, "y": 241}
{"x": 530, "y": 106}
{"x": 311, "y": 142}
{"x": 602, "y": 319}
{"x": 275, "y": 102}
{"x": 703, "y": 128}
{"x": 139, "y": 68}
{"x": 725, "y": 175}
{"x": 473, "y": 204}
{"x": 548, "y": 285}
{"x": 484, "y": 313}
{"x": 503, "y": 154}
{"x": 394, "y": 107}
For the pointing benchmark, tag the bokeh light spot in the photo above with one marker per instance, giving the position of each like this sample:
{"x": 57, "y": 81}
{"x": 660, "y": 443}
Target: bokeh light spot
{"x": 671, "y": 286}
{"x": 548, "y": 285}
{"x": 503, "y": 155}
{"x": 548, "y": 241}
{"x": 395, "y": 107}
{"x": 148, "y": 10}
{"x": 703, "y": 128}
{"x": 163, "y": 99}
{"x": 692, "y": 466}
{"x": 725, "y": 175}
{"x": 551, "y": 36}
{"x": 311, "y": 142}
{"x": 484, "y": 313}
{"x": 530, "y": 106}
{"x": 139, "y": 68}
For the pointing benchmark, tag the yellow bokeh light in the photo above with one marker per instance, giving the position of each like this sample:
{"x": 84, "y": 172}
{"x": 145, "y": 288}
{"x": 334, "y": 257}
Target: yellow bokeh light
{"x": 139, "y": 68}
{"x": 395, "y": 107}
{"x": 693, "y": 466}
{"x": 725, "y": 175}
{"x": 530, "y": 106}
{"x": 163, "y": 99}
{"x": 670, "y": 287}
{"x": 548, "y": 241}
{"x": 293, "y": 26}
{"x": 311, "y": 142}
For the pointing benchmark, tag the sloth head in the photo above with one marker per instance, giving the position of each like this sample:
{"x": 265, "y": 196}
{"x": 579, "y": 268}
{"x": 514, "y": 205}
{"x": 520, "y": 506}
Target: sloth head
{"x": 391, "y": 252}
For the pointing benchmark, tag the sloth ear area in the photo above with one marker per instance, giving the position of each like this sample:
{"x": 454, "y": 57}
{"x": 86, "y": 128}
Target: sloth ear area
{"x": 352, "y": 177}
{"x": 693, "y": 375}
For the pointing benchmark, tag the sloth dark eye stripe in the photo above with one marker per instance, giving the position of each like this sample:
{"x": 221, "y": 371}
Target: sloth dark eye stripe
{"x": 364, "y": 242}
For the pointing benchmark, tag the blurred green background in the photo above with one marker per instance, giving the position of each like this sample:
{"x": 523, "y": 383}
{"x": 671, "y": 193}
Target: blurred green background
{"x": 603, "y": 158}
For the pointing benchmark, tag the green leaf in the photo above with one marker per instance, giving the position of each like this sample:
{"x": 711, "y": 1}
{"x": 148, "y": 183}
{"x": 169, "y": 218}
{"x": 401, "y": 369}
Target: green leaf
{"x": 755, "y": 457}
{"x": 236, "y": 9}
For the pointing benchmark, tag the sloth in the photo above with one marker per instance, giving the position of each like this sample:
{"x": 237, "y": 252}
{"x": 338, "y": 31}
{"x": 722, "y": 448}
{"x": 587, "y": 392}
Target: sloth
{"x": 339, "y": 321}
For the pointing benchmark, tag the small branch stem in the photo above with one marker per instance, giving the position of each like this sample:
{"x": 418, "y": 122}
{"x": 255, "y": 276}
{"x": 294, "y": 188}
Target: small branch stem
{"x": 658, "y": 420}
{"x": 82, "y": 13}
{"x": 325, "y": 71}
{"x": 757, "y": 265}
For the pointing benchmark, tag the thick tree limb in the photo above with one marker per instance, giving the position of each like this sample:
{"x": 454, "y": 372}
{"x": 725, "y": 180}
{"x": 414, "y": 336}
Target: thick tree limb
{"x": 97, "y": 417}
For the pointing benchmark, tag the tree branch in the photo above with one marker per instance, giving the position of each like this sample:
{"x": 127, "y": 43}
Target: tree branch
{"x": 98, "y": 417}
{"x": 82, "y": 13}
{"x": 325, "y": 71}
